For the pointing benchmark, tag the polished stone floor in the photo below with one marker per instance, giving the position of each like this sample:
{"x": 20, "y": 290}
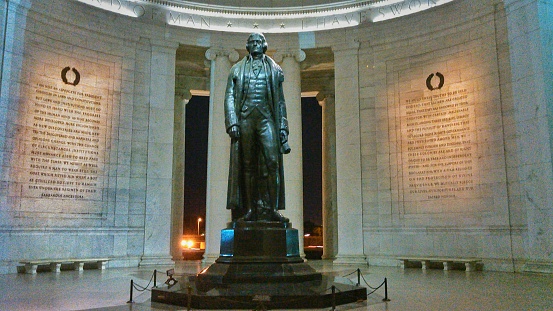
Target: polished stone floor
{"x": 410, "y": 289}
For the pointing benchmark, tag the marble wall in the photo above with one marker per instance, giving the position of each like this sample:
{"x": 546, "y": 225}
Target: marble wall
{"x": 444, "y": 170}
{"x": 87, "y": 150}
{"x": 443, "y": 134}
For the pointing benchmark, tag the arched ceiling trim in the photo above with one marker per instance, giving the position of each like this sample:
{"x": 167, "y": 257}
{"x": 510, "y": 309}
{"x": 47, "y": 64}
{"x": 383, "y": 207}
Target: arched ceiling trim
{"x": 287, "y": 17}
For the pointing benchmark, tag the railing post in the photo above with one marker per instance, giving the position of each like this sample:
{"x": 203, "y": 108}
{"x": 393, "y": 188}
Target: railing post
{"x": 189, "y": 297}
{"x": 385, "y": 290}
{"x": 333, "y": 297}
{"x": 358, "y": 276}
{"x": 132, "y": 286}
{"x": 155, "y": 278}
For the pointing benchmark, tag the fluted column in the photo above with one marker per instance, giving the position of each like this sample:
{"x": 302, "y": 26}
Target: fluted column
{"x": 159, "y": 181}
{"x": 348, "y": 155}
{"x": 329, "y": 208}
{"x": 293, "y": 166}
{"x": 177, "y": 209}
{"x": 217, "y": 152}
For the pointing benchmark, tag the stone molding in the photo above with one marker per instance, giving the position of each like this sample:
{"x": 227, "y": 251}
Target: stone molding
{"x": 272, "y": 10}
{"x": 405, "y": 230}
{"x": 350, "y": 260}
{"x": 72, "y": 230}
{"x": 265, "y": 18}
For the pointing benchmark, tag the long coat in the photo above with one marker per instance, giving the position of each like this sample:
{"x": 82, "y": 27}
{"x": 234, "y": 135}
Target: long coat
{"x": 234, "y": 99}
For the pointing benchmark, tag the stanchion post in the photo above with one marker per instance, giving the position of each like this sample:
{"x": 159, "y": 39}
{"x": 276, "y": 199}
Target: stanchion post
{"x": 385, "y": 290}
{"x": 132, "y": 286}
{"x": 155, "y": 278}
{"x": 358, "y": 276}
{"x": 333, "y": 297}
{"x": 189, "y": 298}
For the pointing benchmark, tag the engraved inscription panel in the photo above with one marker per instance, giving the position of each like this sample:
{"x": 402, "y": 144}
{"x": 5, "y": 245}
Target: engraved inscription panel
{"x": 67, "y": 127}
{"x": 438, "y": 145}
{"x": 64, "y": 136}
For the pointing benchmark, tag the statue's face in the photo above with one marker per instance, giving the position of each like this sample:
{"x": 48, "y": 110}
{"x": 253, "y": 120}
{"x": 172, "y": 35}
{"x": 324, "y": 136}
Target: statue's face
{"x": 255, "y": 44}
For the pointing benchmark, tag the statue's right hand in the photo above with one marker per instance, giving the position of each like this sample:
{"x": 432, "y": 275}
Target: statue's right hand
{"x": 234, "y": 132}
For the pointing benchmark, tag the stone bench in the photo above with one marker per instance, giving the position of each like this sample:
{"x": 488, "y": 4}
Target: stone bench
{"x": 55, "y": 264}
{"x": 470, "y": 263}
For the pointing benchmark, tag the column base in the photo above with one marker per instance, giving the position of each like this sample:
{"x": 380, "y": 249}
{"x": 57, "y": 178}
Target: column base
{"x": 166, "y": 260}
{"x": 350, "y": 260}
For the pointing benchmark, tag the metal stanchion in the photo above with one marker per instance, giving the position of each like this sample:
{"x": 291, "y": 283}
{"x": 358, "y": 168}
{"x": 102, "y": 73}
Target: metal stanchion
{"x": 385, "y": 290}
{"x": 189, "y": 297}
{"x": 333, "y": 297}
{"x": 132, "y": 286}
{"x": 155, "y": 278}
{"x": 358, "y": 276}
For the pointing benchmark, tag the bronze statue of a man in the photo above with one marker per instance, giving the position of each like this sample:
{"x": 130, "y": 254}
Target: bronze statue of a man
{"x": 255, "y": 119}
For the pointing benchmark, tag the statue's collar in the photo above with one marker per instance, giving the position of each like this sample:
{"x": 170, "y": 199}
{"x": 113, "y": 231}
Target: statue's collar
{"x": 262, "y": 58}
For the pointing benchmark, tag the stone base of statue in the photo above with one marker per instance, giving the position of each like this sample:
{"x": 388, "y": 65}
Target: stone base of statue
{"x": 257, "y": 252}
{"x": 259, "y": 267}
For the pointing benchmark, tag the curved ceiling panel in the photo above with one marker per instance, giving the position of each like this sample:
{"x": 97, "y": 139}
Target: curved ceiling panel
{"x": 275, "y": 16}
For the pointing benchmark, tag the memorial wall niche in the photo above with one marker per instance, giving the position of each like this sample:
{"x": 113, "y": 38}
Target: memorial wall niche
{"x": 63, "y": 144}
{"x": 438, "y": 156}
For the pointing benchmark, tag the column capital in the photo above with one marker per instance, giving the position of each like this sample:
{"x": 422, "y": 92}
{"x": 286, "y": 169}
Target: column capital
{"x": 352, "y": 45}
{"x": 323, "y": 96}
{"x": 297, "y": 54}
{"x": 214, "y": 52}
{"x": 169, "y": 46}
{"x": 183, "y": 95}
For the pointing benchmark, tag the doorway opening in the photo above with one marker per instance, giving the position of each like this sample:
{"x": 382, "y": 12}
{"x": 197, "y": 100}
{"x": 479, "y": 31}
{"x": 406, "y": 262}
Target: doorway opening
{"x": 311, "y": 113}
{"x": 195, "y": 177}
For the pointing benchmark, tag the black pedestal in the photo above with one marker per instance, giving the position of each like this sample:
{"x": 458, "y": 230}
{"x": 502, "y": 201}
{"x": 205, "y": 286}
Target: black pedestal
{"x": 259, "y": 264}
{"x": 257, "y": 252}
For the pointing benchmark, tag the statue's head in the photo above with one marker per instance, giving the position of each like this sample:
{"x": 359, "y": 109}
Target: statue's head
{"x": 256, "y": 43}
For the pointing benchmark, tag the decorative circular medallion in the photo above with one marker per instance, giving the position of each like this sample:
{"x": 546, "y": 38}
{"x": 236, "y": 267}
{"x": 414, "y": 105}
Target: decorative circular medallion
{"x": 64, "y": 76}
{"x": 429, "y": 81}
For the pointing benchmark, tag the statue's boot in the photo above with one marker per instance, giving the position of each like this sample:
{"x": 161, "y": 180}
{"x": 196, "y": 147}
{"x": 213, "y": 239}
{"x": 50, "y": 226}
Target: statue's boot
{"x": 273, "y": 190}
{"x": 248, "y": 201}
{"x": 278, "y": 217}
{"x": 248, "y": 216}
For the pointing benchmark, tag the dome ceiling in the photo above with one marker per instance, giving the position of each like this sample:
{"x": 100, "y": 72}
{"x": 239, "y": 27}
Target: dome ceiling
{"x": 271, "y": 3}
{"x": 274, "y": 16}
{"x": 288, "y": 6}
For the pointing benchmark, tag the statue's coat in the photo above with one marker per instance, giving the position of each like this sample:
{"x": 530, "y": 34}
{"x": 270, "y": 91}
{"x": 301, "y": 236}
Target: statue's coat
{"x": 234, "y": 98}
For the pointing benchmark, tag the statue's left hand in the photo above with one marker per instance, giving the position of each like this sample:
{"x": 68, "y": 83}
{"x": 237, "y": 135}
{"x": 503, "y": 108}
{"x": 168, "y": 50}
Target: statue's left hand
{"x": 234, "y": 132}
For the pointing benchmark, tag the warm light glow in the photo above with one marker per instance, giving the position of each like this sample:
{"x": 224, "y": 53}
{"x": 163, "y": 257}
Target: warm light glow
{"x": 187, "y": 243}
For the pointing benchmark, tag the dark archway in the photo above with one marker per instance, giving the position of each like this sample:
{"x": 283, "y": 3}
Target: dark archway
{"x": 195, "y": 171}
{"x": 311, "y": 113}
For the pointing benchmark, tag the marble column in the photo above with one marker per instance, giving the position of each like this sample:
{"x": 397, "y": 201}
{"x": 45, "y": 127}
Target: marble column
{"x": 329, "y": 208}
{"x": 349, "y": 198}
{"x": 157, "y": 231}
{"x": 218, "y": 150}
{"x": 293, "y": 165}
{"x": 177, "y": 206}
{"x": 531, "y": 171}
